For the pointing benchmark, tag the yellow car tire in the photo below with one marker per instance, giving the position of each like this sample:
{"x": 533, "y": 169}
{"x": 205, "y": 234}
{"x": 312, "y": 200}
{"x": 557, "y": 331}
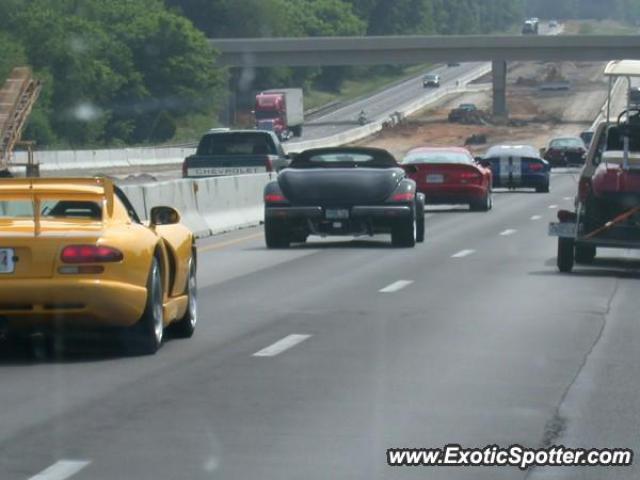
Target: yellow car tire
{"x": 185, "y": 327}
{"x": 145, "y": 338}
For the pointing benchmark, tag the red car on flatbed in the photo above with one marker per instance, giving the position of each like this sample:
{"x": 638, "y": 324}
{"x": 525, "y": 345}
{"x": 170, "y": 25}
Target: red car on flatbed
{"x": 450, "y": 175}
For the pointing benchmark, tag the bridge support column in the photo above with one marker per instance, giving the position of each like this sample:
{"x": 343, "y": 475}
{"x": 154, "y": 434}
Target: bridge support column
{"x": 499, "y": 68}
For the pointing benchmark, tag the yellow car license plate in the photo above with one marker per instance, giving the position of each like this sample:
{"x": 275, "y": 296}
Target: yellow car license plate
{"x": 7, "y": 263}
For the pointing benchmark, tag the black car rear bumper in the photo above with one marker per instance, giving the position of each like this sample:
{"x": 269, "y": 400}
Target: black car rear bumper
{"x": 532, "y": 180}
{"x": 359, "y": 212}
{"x": 362, "y": 220}
{"x": 293, "y": 212}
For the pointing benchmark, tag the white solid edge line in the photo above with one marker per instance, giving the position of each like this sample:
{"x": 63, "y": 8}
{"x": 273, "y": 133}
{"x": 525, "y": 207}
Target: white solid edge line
{"x": 61, "y": 470}
{"x": 463, "y": 253}
{"x": 536, "y": 217}
{"x": 281, "y": 345}
{"x": 507, "y": 232}
{"x": 395, "y": 286}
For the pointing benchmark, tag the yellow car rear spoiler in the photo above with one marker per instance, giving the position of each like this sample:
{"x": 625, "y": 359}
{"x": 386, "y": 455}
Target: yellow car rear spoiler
{"x": 35, "y": 187}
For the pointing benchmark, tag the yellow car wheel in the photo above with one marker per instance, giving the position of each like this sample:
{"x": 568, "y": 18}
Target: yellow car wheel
{"x": 146, "y": 336}
{"x": 185, "y": 327}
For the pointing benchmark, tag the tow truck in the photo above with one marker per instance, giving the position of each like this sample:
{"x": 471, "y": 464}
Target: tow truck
{"x": 607, "y": 207}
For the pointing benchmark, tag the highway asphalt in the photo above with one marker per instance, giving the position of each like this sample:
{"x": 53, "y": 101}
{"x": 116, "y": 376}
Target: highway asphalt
{"x": 382, "y": 104}
{"x": 474, "y": 339}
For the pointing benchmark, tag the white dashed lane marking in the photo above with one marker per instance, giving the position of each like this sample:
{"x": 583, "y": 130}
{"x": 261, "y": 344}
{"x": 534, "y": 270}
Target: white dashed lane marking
{"x": 536, "y": 217}
{"x": 281, "y": 345}
{"x": 463, "y": 253}
{"x": 395, "y": 286}
{"x": 61, "y": 470}
{"x": 507, "y": 232}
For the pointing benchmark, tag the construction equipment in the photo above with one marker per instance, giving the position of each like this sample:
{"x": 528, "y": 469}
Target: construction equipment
{"x": 17, "y": 97}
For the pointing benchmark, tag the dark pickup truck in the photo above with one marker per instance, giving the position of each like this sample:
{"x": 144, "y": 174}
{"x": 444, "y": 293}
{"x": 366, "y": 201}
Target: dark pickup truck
{"x": 235, "y": 152}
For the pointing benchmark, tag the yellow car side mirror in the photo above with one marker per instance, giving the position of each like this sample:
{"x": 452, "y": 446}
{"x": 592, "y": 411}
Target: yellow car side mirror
{"x": 164, "y": 216}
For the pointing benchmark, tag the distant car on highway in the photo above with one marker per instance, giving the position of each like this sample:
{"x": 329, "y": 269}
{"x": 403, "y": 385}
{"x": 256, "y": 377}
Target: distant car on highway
{"x": 565, "y": 151}
{"x": 74, "y": 255}
{"x": 453, "y": 64}
{"x": 553, "y": 24}
{"x": 343, "y": 191}
{"x": 431, "y": 80}
{"x": 517, "y": 166}
{"x": 235, "y": 152}
{"x": 449, "y": 176}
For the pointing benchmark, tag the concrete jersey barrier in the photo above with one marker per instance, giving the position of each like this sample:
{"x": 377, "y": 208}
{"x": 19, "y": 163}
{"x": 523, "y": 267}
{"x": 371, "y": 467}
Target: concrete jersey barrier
{"x": 208, "y": 206}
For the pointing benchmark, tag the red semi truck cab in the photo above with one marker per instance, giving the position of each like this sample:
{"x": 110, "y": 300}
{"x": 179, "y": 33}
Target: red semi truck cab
{"x": 280, "y": 111}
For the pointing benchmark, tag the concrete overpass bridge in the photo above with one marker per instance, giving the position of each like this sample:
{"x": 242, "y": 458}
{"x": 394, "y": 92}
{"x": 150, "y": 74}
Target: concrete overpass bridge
{"x": 400, "y": 50}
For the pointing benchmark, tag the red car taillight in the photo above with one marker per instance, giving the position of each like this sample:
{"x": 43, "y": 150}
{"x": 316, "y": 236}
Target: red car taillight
{"x": 470, "y": 176}
{"x": 584, "y": 189}
{"x": 90, "y": 254}
{"x": 274, "y": 198}
{"x": 535, "y": 167}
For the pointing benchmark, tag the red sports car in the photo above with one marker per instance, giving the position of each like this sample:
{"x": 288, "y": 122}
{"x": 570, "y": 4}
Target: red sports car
{"x": 449, "y": 176}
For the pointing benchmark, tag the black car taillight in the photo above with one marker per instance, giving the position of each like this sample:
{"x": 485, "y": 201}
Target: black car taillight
{"x": 403, "y": 197}
{"x": 275, "y": 198}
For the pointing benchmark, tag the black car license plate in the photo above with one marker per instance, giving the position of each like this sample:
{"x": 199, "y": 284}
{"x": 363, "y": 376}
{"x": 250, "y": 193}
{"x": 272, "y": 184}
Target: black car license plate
{"x": 337, "y": 213}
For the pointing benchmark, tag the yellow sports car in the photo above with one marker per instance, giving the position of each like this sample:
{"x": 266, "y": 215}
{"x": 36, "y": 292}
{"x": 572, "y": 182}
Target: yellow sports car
{"x": 75, "y": 255}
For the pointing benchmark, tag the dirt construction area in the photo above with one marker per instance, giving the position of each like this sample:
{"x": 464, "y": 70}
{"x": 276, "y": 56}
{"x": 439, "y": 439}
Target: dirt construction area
{"x": 535, "y": 113}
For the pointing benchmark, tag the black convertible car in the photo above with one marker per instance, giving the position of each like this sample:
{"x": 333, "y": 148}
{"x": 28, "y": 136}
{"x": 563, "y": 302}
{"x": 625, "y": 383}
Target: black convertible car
{"x": 343, "y": 191}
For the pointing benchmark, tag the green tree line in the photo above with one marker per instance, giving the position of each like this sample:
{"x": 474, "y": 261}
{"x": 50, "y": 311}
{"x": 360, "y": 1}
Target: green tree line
{"x": 114, "y": 72}
{"x": 119, "y": 72}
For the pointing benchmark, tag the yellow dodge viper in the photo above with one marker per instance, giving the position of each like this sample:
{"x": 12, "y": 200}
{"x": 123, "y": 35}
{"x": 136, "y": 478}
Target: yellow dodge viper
{"x": 75, "y": 255}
